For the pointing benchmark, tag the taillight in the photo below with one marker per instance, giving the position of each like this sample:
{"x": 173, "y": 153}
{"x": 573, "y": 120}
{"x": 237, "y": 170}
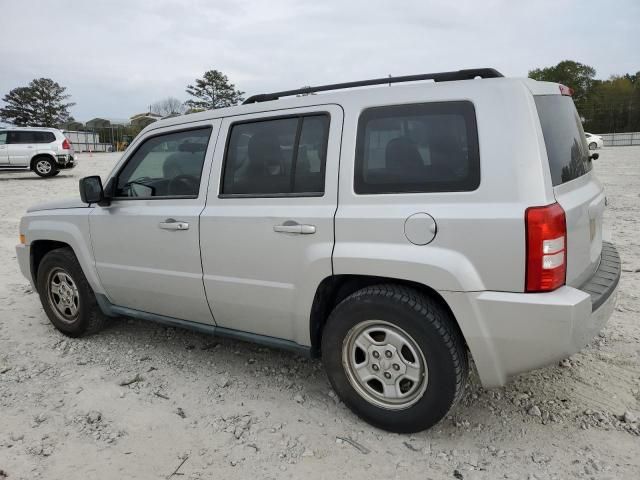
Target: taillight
{"x": 564, "y": 90}
{"x": 66, "y": 144}
{"x": 546, "y": 231}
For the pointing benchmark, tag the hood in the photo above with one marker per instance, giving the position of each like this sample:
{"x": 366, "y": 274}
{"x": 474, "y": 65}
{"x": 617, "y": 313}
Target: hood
{"x": 58, "y": 204}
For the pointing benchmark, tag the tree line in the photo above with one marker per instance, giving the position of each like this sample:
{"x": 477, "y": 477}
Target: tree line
{"x": 604, "y": 106}
{"x": 43, "y": 102}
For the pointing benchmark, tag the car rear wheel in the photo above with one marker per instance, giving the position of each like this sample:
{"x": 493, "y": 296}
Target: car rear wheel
{"x": 66, "y": 296}
{"x": 45, "y": 167}
{"x": 593, "y": 146}
{"x": 394, "y": 357}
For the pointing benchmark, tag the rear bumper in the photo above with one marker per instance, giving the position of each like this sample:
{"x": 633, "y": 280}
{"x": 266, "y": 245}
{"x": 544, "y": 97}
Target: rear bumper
{"x": 65, "y": 161}
{"x": 515, "y": 332}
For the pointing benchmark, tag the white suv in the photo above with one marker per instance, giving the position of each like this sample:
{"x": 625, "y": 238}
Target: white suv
{"x": 394, "y": 231}
{"x": 46, "y": 151}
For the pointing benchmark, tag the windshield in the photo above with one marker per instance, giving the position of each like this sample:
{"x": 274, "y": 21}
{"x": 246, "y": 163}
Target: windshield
{"x": 564, "y": 138}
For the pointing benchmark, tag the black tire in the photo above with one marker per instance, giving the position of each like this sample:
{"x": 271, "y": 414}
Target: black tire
{"x": 88, "y": 317}
{"x": 432, "y": 329}
{"x": 45, "y": 167}
{"x": 593, "y": 146}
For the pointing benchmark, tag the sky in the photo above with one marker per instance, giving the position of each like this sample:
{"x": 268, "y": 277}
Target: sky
{"x": 119, "y": 56}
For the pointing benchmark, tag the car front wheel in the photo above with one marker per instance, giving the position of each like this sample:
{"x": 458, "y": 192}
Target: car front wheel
{"x": 66, "y": 296}
{"x": 394, "y": 357}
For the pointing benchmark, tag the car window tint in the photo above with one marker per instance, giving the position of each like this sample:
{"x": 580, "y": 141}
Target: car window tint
{"x": 44, "y": 137}
{"x": 273, "y": 157}
{"x": 165, "y": 166}
{"x": 567, "y": 149}
{"x": 22, "y": 137}
{"x": 3, "y": 138}
{"x": 431, "y": 147}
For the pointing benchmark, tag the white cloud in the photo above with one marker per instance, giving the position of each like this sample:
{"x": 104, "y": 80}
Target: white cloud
{"x": 117, "y": 57}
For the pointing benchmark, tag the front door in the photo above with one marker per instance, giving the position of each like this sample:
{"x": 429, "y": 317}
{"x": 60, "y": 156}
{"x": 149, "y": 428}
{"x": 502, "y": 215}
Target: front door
{"x": 267, "y": 229}
{"x": 146, "y": 243}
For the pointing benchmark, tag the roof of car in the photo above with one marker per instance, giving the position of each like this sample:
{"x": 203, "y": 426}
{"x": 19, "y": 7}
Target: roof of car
{"x": 342, "y": 96}
{"x": 41, "y": 129}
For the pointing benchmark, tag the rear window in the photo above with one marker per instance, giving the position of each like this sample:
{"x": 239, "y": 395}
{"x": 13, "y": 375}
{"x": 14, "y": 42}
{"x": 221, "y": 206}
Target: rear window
{"x": 564, "y": 138}
{"x": 427, "y": 147}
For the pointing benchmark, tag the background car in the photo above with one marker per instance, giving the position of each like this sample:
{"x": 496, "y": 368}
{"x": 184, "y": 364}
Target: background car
{"x": 594, "y": 141}
{"x": 46, "y": 151}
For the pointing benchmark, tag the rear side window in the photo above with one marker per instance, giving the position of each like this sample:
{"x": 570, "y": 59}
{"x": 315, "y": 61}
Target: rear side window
{"x": 283, "y": 156}
{"x": 429, "y": 147}
{"x": 564, "y": 138}
{"x": 44, "y": 137}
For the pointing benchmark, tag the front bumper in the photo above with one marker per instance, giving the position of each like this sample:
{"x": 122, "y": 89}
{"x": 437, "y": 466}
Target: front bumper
{"x": 65, "y": 161}
{"x": 517, "y": 332}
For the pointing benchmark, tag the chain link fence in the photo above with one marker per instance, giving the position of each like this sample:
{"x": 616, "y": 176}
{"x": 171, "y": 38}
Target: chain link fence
{"x": 621, "y": 139}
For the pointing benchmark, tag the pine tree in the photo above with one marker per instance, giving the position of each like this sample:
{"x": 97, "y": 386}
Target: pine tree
{"x": 40, "y": 104}
{"x": 213, "y": 90}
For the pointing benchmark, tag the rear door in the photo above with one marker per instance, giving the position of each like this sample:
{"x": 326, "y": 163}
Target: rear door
{"x": 267, "y": 229}
{"x": 4, "y": 156}
{"x": 21, "y": 147}
{"x": 574, "y": 184}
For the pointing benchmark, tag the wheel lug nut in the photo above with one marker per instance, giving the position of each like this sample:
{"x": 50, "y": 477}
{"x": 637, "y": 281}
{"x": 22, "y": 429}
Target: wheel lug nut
{"x": 375, "y": 367}
{"x": 388, "y": 354}
{"x": 396, "y": 366}
{"x": 376, "y": 355}
{"x": 387, "y": 375}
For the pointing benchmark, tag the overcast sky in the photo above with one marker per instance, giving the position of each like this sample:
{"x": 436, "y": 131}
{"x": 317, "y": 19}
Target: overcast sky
{"x": 117, "y": 57}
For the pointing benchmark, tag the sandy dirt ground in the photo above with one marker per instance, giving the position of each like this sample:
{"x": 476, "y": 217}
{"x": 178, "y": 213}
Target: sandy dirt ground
{"x": 199, "y": 407}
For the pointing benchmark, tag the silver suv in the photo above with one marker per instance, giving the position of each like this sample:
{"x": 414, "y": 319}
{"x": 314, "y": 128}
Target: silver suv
{"x": 46, "y": 151}
{"x": 395, "y": 231}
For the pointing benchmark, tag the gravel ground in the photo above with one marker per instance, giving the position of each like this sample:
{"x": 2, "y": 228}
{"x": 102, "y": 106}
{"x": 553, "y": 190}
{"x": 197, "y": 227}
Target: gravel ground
{"x": 141, "y": 400}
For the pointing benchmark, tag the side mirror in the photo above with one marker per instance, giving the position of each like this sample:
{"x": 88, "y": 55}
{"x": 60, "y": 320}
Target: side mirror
{"x": 594, "y": 156}
{"x": 91, "y": 190}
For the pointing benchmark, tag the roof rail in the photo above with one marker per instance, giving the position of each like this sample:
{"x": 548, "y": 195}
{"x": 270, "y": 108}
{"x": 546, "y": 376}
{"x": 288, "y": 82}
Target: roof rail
{"x": 437, "y": 77}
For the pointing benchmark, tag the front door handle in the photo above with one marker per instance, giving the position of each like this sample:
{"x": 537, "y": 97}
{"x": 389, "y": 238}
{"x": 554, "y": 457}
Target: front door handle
{"x": 172, "y": 224}
{"x": 295, "y": 228}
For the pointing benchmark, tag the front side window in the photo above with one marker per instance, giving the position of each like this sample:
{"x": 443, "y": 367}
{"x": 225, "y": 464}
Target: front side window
{"x": 3, "y": 138}
{"x": 168, "y": 165}
{"x": 276, "y": 157}
{"x": 429, "y": 147}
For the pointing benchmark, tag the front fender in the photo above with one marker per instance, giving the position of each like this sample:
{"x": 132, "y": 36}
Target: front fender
{"x": 70, "y": 226}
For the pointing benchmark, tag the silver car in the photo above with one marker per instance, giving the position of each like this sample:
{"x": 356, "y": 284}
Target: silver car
{"x": 394, "y": 231}
{"x": 45, "y": 151}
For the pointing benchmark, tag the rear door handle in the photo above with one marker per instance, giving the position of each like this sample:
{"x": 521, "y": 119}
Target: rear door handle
{"x": 295, "y": 228}
{"x": 172, "y": 224}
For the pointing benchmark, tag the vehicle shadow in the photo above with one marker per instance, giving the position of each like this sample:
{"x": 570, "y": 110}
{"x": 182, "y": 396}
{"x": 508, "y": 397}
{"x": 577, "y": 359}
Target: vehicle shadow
{"x": 31, "y": 177}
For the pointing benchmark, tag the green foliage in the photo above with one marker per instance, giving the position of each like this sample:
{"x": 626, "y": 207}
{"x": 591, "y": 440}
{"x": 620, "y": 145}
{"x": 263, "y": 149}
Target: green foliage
{"x": 572, "y": 74}
{"x": 605, "y": 106}
{"x": 40, "y": 104}
{"x": 213, "y": 90}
